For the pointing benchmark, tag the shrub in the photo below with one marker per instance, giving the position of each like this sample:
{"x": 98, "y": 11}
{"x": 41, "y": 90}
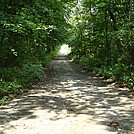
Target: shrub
{"x": 8, "y": 89}
{"x": 15, "y": 79}
{"x": 28, "y": 73}
{"x": 88, "y": 62}
{"x": 119, "y": 71}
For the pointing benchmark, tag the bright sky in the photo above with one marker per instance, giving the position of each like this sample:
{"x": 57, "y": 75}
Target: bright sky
{"x": 65, "y": 49}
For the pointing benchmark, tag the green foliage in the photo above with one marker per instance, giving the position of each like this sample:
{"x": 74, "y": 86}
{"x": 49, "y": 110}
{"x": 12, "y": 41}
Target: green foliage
{"x": 30, "y": 29}
{"x": 88, "y": 61}
{"x": 30, "y": 32}
{"x": 119, "y": 70}
{"x": 128, "y": 80}
{"x": 14, "y": 79}
{"x": 101, "y": 38}
{"x": 28, "y": 73}
{"x": 124, "y": 78}
{"x": 8, "y": 90}
{"x": 100, "y": 34}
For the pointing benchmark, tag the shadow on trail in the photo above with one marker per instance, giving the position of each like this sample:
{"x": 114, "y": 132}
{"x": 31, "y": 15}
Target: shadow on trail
{"x": 72, "y": 91}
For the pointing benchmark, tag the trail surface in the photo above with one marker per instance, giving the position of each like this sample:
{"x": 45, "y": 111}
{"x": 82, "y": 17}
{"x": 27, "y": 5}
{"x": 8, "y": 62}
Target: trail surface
{"x": 72, "y": 101}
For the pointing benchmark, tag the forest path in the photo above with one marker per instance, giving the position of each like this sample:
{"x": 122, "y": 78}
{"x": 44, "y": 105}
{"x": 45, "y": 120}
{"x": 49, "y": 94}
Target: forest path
{"x": 73, "y": 101}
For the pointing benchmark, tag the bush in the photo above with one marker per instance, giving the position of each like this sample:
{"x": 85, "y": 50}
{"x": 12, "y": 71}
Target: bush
{"x": 28, "y": 73}
{"x": 88, "y": 62}
{"x": 8, "y": 74}
{"x": 119, "y": 71}
{"x": 15, "y": 79}
{"x": 8, "y": 89}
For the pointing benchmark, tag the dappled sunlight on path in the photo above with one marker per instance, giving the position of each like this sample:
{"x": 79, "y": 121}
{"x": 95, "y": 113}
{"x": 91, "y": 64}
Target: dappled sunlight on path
{"x": 73, "y": 101}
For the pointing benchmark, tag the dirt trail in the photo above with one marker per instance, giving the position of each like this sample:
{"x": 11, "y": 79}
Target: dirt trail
{"x": 73, "y": 101}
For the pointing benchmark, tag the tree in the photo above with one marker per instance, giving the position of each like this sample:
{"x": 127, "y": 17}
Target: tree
{"x": 103, "y": 39}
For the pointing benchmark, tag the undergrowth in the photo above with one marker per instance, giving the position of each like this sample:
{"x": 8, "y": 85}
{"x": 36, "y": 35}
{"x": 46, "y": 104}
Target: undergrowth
{"x": 16, "y": 80}
{"x": 119, "y": 72}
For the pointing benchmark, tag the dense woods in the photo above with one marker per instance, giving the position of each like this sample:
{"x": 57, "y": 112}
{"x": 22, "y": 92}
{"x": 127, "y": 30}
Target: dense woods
{"x": 30, "y": 31}
{"x": 102, "y": 38}
{"x": 100, "y": 34}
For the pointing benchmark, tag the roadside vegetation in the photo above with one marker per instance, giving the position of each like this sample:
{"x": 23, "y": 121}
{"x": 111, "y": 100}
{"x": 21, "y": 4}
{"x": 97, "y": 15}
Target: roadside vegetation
{"x": 30, "y": 34}
{"x": 99, "y": 33}
{"x": 102, "y": 38}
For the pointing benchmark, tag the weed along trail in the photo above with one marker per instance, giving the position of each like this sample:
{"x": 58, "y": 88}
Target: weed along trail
{"x": 71, "y": 101}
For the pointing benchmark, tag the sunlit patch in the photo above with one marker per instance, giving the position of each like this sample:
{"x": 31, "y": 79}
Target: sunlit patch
{"x": 65, "y": 49}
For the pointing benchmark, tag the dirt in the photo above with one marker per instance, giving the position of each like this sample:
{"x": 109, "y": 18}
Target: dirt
{"x": 70, "y": 101}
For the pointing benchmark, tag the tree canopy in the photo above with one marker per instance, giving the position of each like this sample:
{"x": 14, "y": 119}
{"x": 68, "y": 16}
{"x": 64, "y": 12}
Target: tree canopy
{"x": 100, "y": 34}
{"x": 102, "y": 37}
{"x": 30, "y": 28}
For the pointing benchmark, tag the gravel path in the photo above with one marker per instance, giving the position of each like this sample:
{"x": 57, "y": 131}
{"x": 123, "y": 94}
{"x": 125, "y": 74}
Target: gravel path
{"x": 72, "y": 101}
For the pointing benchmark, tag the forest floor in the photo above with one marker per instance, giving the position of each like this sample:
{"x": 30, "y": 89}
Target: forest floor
{"x": 69, "y": 101}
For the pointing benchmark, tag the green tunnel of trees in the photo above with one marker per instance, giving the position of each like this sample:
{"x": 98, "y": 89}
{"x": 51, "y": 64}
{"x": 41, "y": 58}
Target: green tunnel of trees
{"x": 99, "y": 32}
